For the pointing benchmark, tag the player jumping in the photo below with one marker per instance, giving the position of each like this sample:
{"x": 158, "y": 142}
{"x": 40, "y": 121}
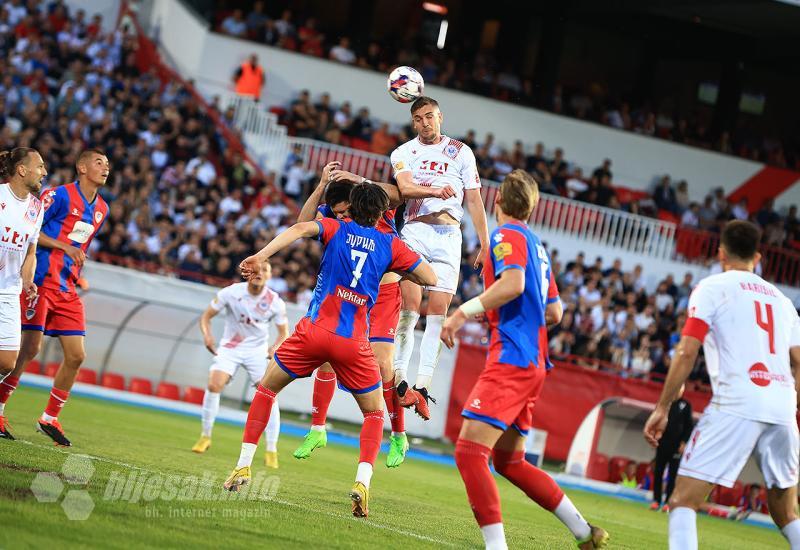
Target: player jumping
{"x": 432, "y": 228}
{"x": 750, "y": 333}
{"x": 22, "y": 169}
{"x": 335, "y": 329}
{"x": 73, "y": 214}
{"x": 249, "y": 308}
{"x": 331, "y": 199}
{"x": 520, "y": 300}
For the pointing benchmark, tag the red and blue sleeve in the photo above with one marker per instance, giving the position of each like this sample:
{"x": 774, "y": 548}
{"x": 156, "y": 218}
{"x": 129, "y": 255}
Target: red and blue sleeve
{"x": 327, "y": 229}
{"x": 403, "y": 258}
{"x": 552, "y": 289}
{"x": 56, "y": 204}
{"x": 510, "y": 251}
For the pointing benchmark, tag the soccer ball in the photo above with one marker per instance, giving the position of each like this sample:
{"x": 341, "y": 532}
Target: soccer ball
{"x": 405, "y": 84}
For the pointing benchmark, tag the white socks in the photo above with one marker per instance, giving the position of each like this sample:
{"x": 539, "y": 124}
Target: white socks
{"x": 2, "y": 408}
{"x": 494, "y": 537}
{"x": 404, "y": 340}
{"x": 792, "y": 533}
{"x": 364, "y": 473}
{"x": 273, "y": 428}
{"x": 246, "y": 455}
{"x": 683, "y": 529}
{"x": 210, "y": 410}
{"x": 429, "y": 350}
{"x": 47, "y": 418}
{"x": 572, "y": 518}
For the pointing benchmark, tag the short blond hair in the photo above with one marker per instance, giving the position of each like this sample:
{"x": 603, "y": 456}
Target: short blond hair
{"x": 519, "y": 195}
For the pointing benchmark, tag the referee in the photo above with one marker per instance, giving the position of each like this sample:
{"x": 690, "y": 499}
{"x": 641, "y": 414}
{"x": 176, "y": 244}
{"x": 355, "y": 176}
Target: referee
{"x": 670, "y": 448}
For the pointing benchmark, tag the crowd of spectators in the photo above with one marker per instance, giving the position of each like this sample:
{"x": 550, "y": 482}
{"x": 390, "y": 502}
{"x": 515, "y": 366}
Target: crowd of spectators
{"x": 484, "y": 75}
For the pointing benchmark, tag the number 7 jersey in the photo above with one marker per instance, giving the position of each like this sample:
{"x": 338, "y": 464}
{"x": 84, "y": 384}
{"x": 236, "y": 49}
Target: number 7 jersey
{"x": 746, "y": 326}
{"x": 354, "y": 260}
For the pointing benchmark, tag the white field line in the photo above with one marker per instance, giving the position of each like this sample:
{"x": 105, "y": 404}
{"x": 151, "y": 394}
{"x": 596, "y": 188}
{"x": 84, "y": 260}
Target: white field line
{"x": 287, "y": 503}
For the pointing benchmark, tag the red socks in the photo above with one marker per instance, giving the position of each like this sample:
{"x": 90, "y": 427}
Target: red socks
{"x": 258, "y": 415}
{"x": 324, "y": 388}
{"x": 396, "y": 412}
{"x": 7, "y": 387}
{"x": 540, "y": 487}
{"x": 56, "y": 402}
{"x": 472, "y": 460}
{"x": 371, "y": 432}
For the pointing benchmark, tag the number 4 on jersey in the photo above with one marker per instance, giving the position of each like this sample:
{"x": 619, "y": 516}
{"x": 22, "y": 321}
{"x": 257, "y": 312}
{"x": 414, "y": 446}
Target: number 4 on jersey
{"x": 768, "y": 325}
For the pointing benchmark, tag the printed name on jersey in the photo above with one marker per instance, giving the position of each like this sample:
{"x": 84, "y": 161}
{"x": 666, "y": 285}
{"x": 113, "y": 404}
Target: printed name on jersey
{"x": 358, "y": 241}
{"x": 502, "y": 250}
{"x": 81, "y": 232}
{"x": 349, "y": 296}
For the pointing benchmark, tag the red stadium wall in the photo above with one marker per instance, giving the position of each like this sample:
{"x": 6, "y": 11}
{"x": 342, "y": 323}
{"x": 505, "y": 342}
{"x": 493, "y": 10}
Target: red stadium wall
{"x": 569, "y": 394}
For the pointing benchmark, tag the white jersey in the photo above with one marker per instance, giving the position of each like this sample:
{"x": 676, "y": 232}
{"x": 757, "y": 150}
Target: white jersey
{"x": 747, "y": 327}
{"x": 20, "y": 222}
{"x": 449, "y": 162}
{"x": 248, "y": 317}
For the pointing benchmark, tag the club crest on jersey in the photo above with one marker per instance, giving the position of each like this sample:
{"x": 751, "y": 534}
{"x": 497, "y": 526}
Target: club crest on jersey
{"x": 47, "y": 199}
{"x": 451, "y": 151}
{"x": 74, "y": 211}
{"x": 29, "y": 313}
{"x": 33, "y": 211}
{"x": 502, "y": 250}
{"x": 97, "y": 217}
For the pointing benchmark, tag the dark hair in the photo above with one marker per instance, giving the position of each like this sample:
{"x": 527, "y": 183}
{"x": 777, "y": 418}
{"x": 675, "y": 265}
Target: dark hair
{"x": 9, "y": 160}
{"x": 421, "y": 102}
{"x": 87, "y": 153}
{"x": 337, "y": 191}
{"x": 368, "y": 202}
{"x": 741, "y": 239}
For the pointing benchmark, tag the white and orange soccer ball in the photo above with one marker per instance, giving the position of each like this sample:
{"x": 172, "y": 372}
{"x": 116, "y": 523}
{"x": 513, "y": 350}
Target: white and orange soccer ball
{"x": 405, "y": 84}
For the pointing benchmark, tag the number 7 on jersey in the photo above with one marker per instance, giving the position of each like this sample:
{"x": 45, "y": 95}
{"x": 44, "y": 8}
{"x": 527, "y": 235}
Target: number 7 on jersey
{"x": 359, "y": 258}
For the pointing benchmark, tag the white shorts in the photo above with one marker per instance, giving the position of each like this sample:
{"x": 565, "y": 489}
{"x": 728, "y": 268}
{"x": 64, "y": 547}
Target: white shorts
{"x": 440, "y": 245}
{"x": 10, "y": 323}
{"x": 721, "y": 443}
{"x": 229, "y": 360}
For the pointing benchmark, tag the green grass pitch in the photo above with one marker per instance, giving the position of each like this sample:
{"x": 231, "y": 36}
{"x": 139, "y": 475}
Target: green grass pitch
{"x": 145, "y": 492}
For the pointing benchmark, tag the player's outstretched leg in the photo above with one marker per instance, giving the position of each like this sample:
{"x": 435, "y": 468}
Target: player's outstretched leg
{"x": 7, "y": 387}
{"x": 216, "y": 382}
{"x": 30, "y": 344}
{"x": 404, "y": 339}
{"x": 271, "y": 436}
{"x": 369, "y": 445}
{"x": 542, "y": 489}
{"x": 324, "y": 388}
{"x": 429, "y": 350}
{"x": 472, "y": 460}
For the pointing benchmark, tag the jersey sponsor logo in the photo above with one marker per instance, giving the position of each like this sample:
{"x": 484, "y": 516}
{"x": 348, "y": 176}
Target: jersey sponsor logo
{"x": 502, "y": 250}
{"x": 98, "y": 216}
{"x": 349, "y": 296}
{"x": 760, "y": 375}
{"x": 476, "y": 404}
{"x": 434, "y": 167}
{"x": 81, "y": 232}
{"x": 2, "y": 206}
{"x": 14, "y": 238}
{"x": 74, "y": 211}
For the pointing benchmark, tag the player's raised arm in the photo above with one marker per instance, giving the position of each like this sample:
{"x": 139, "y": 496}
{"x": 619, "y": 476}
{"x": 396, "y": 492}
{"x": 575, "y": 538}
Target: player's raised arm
{"x": 252, "y": 264}
{"x": 309, "y": 210}
{"x": 391, "y": 190}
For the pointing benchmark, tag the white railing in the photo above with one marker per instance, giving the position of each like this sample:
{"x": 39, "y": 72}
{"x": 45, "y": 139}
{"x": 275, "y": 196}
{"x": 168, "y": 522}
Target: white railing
{"x": 269, "y": 143}
{"x": 597, "y": 224}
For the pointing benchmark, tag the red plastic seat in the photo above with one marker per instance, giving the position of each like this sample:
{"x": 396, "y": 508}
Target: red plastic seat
{"x": 140, "y": 385}
{"x": 598, "y": 467}
{"x": 113, "y": 381}
{"x": 87, "y": 376}
{"x": 34, "y": 367}
{"x": 193, "y": 395}
{"x": 616, "y": 466}
{"x": 50, "y": 369}
{"x": 168, "y": 391}
{"x": 729, "y": 497}
{"x": 641, "y": 471}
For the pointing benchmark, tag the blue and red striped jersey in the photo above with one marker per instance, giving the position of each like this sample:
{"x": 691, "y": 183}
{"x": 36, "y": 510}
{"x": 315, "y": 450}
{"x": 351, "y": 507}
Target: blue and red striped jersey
{"x": 68, "y": 218}
{"x": 518, "y": 328}
{"x": 385, "y": 223}
{"x": 353, "y": 262}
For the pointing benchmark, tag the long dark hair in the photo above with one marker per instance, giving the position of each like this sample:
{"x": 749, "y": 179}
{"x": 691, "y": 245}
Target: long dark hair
{"x": 9, "y": 160}
{"x": 368, "y": 202}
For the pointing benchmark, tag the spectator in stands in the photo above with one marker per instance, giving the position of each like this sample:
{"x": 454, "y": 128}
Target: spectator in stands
{"x": 383, "y": 141}
{"x": 664, "y": 196}
{"x": 740, "y": 211}
{"x": 235, "y": 24}
{"x": 642, "y": 362}
{"x": 295, "y": 181}
{"x": 682, "y": 196}
{"x": 303, "y": 116}
{"x": 691, "y": 217}
{"x": 707, "y": 213}
{"x": 603, "y": 170}
{"x": 270, "y": 36}
{"x": 361, "y": 128}
{"x": 256, "y": 20}
{"x": 342, "y": 52}
{"x": 284, "y": 25}
{"x": 249, "y": 78}
{"x": 628, "y": 476}
{"x": 311, "y": 40}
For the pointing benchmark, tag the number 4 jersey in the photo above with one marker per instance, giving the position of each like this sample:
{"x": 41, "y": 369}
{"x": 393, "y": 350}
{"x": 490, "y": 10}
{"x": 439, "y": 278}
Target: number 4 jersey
{"x": 747, "y": 327}
{"x": 354, "y": 260}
